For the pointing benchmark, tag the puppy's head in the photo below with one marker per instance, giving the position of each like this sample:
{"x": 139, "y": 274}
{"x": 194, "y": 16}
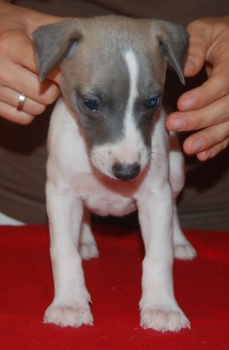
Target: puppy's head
{"x": 112, "y": 77}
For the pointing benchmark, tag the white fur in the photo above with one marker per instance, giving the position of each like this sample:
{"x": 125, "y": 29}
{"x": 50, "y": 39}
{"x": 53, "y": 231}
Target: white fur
{"x": 130, "y": 149}
{"x": 74, "y": 184}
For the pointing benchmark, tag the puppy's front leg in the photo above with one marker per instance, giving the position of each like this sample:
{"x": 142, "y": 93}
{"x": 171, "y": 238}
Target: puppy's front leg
{"x": 159, "y": 309}
{"x": 70, "y": 306}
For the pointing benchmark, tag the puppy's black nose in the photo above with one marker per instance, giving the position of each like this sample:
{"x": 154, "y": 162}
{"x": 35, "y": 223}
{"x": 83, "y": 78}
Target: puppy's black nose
{"x": 126, "y": 172}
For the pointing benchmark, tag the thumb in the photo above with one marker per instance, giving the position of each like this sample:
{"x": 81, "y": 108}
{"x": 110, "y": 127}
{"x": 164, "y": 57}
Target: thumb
{"x": 198, "y": 46}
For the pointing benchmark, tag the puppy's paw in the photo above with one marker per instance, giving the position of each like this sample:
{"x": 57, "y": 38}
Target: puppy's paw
{"x": 164, "y": 320}
{"x": 68, "y": 316}
{"x": 88, "y": 250}
{"x": 184, "y": 251}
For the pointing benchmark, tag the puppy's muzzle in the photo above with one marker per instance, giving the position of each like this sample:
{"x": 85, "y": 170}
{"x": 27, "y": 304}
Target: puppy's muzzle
{"x": 126, "y": 172}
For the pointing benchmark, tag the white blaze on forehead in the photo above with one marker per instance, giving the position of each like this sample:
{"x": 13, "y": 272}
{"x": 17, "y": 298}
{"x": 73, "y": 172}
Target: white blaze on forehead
{"x": 133, "y": 69}
{"x": 128, "y": 150}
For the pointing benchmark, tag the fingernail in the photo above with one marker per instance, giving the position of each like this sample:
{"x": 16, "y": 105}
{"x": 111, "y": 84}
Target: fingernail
{"x": 208, "y": 154}
{"x": 188, "y": 103}
{"x": 197, "y": 146}
{"x": 190, "y": 63}
{"x": 178, "y": 124}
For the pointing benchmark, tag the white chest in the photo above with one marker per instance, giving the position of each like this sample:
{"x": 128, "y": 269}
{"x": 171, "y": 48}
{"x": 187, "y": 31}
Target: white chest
{"x": 104, "y": 196}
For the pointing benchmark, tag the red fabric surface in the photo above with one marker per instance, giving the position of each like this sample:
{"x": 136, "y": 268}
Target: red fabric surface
{"x": 113, "y": 280}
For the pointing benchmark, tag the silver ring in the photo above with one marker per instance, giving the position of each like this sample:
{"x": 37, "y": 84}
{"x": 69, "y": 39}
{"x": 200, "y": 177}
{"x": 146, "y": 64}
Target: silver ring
{"x": 21, "y": 101}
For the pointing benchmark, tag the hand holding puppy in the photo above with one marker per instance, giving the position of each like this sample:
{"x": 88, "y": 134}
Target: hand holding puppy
{"x": 18, "y": 69}
{"x": 206, "y": 108}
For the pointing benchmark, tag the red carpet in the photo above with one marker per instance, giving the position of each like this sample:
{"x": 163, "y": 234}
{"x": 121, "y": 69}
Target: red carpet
{"x": 113, "y": 280}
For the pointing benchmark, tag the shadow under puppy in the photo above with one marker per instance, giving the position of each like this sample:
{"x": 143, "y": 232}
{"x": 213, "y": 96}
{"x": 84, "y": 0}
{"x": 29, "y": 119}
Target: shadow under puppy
{"x": 109, "y": 152}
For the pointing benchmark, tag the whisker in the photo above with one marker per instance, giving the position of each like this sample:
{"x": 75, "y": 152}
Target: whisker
{"x": 67, "y": 122}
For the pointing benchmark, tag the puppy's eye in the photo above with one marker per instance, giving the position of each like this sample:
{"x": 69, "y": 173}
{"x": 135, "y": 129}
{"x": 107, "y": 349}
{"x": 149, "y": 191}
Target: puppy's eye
{"x": 153, "y": 102}
{"x": 92, "y": 105}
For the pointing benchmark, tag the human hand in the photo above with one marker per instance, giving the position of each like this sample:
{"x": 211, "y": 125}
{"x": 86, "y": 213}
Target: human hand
{"x": 18, "y": 68}
{"x": 206, "y": 108}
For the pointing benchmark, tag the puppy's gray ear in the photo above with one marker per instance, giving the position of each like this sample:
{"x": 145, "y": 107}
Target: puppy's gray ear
{"x": 53, "y": 42}
{"x": 173, "y": 43}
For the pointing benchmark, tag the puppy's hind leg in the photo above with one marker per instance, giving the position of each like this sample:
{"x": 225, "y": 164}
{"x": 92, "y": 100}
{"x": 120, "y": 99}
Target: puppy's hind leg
{"x": 87, "y": 244}
{"x": 182, "y": 248}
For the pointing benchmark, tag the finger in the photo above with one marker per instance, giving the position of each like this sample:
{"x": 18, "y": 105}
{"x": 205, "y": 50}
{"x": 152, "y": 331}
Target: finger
{"x": 213, "y": 151}
{"x": 11, "y": 113}
{"x": 198, "y": 44}
{"x": 26, "y": 82}
{"x": 215, "y": 113}
{"x": 208, "y": 44}
{"x": 29, "y": 60}
{"x": 214, "y": 88}
{"x": 207, "y": 138}
{"x": 15, "y": 44}
{"x": 11, "y": 97}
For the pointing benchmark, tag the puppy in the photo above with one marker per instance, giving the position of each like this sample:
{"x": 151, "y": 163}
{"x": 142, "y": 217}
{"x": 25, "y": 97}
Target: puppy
{"x": 109, "y": 153}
